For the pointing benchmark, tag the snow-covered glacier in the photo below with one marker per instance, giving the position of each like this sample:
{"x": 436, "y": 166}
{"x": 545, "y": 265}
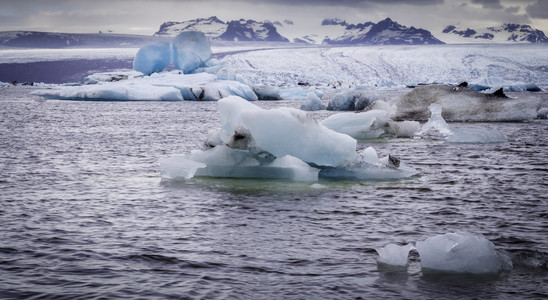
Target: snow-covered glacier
{"x": 392, "y": 66}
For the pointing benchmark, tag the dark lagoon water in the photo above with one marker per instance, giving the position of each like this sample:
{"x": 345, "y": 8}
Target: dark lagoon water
{"x": 84, "y": 213}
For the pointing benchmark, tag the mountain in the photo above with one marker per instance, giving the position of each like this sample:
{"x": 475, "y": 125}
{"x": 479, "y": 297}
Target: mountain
{"x": 238, "y": 30}
{"x": 506, "y": 33}
{"x": 249, "y": 30}
{"x": 386, "y": 32}
{"x": 35, "y": 39}
{"x": 211, "y": 27}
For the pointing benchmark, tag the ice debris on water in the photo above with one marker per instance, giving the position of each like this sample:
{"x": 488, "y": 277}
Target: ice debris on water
{"x": 453, "y": 135}
{"x": 312, "y": 103}
{"x": 373, "y": 123}
{"x": 461, "y": 252}
{"x": 394, "y": 255}
{"x": 278, "y": 143}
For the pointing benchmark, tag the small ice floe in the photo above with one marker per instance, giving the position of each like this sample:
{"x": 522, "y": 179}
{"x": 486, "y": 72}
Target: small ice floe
{"x": 460, "y": 252}
{"x": 453, "y": 135}
{"x": 280, "y": 143}
{"x": 394, "y": 255}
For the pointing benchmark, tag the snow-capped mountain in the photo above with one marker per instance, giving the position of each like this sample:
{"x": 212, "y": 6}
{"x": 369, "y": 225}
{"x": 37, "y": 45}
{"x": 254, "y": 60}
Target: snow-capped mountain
{"x": 238, "y": 30}
{"x": 249, "y": 30}
{"x": 386, "y": 32}
{"x": 506, "y": 33}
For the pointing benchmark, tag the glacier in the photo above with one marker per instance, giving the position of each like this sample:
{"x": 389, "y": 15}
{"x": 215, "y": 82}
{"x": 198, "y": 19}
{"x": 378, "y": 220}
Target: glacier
{"x": 281, "y": 143}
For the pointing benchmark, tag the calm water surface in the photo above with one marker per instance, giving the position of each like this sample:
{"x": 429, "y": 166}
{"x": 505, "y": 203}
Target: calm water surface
{"x": 84, "y": 213}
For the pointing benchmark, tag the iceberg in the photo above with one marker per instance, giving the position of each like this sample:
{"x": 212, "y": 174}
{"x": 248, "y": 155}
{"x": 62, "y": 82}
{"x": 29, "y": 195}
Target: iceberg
{"x": 312, "y": 103}
{"x": 281, "y": 143}
{"x": 461, "y": 252}
{"x": 463, "y": 104}
{"x": 153, "y": 57}
{"x": 342, "y": 101}
{"x": 190, "y": 50}
{"x": 451, "y": 135}
{"x": 267, "y": 92}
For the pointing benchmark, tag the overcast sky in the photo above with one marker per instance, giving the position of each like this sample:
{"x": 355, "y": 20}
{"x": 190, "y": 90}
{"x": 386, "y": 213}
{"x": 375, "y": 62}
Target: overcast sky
{"x": 145, "y": 17}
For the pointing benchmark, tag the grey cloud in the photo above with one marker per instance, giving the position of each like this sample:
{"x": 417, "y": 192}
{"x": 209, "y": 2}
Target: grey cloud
{"x": 538, "y": 10}
{"x": 489, "y": 3}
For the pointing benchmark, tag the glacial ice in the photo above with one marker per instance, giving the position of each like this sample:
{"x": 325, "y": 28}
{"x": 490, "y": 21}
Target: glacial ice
{"x": 312, "y": 103}
{"x": 453, "y": 135}
{"x": 287, "y": 131}
{"x": 461, "y": 252}
{"x": 372, "y": 123}
{"x": 363, "y": 125}
{"x": 494, "y": 83}
{"x": 394, "y": 255}
{"x": 463, "y": 104}
{"x": 267, "y": 92}
{"x": 279, "y": 143}
{"x": 190, "y": 50}
{"x": 542, "y": 113}
{"x": 153, "y": 57}
{"x": 342, "y": 101}
{"x": 298, "y": 93}
{"x": 158, "y": 86}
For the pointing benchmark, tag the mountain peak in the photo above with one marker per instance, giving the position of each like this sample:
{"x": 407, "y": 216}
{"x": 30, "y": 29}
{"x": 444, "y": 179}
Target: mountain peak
{"x": 505, "y": 33}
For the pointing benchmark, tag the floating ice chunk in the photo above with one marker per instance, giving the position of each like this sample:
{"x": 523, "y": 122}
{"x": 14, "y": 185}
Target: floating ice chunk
{"x": 461, "y": 252}
{"x": 394, "y": 255}
{"x": 267, "y": 92}
{"x": 284, "y": 143}
{"x": 363, "y": 125}
{"x": 494, "y": 83}
{"x": 297, "y": 93}
{"x": 224, "y": 88}
{"x": 451, "y": 135}
{"x": 313, "y": 102}
{"x": 113, "y": 92}
{"x": 153, "y": 57}
{"x": 190, "y": 50}
{"x": 465, "y": 104}
{"x": 342, "y": 101}
{"x": 228, "y": 74}
{"x": 403, "y": 128}
{"x": 542, "y": 113}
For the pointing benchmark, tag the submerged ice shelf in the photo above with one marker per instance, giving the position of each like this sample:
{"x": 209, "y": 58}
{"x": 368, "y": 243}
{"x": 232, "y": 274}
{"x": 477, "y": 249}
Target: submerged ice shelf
{"x": 280, "y": 143}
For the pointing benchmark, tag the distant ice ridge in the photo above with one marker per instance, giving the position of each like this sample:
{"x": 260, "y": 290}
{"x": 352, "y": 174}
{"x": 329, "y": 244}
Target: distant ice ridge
{"x": 461, "y": 252}
{"x": 452, "y": 135}
{"x": 279, "y": 143}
